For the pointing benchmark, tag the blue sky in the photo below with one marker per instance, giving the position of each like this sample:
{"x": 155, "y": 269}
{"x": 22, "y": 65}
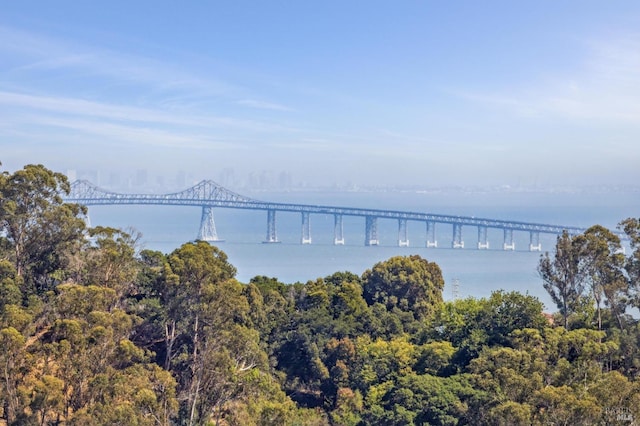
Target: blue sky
{"x": 368, "y": 92}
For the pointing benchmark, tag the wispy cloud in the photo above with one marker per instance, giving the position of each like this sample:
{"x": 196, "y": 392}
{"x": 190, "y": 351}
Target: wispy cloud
{"x": 252, "y": 103}
{"x": 28, "y": 44}
{"x": 124, "y": 98}
{"x": 143, "y": 136}
{"x": 606, "y": 89}
{"x": 164, "y": 82}
{"x": 66, "y": 105}
{"x": 109, "y": 111}
{"x": 46, "y": 54}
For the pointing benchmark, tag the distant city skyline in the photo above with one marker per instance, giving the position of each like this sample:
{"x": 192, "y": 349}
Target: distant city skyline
{"x": 141, "y": 181}
{"x": 417, "y": 93}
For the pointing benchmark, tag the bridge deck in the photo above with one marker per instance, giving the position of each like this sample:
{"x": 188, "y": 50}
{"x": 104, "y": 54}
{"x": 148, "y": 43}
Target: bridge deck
{"x": 210, "y": 194}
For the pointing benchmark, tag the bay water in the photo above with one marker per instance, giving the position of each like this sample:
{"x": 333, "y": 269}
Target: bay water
{"x": 467, "y": 272}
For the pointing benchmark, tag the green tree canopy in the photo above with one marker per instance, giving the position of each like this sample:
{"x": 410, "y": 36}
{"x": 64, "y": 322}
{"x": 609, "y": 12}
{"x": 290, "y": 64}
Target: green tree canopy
{"x": 409, "y": 283}
{"x": 565, "y": 274}
{"x": 38, "y": 227}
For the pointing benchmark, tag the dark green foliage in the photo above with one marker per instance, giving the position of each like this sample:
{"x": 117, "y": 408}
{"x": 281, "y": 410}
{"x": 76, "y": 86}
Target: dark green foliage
{"x": 10, "y": 293}
{"x": 411, "y": 284}
{"x": 268, "y": 285}
{"x": 429, "y": 400}
{"x": 565, "y": 275}
{"x": 631, "y": 228}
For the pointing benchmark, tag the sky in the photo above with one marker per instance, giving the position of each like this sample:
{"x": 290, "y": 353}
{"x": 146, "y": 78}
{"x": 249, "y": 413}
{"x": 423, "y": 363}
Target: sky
{"x": 404, "y": 93}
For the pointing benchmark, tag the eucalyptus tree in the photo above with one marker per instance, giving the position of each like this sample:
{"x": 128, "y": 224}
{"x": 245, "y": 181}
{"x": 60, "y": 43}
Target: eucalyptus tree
{"x": 631, "y": 228}
{"x": 211, "y": 347}
{"x": 36, "y": 224}
{"x": 565, "y": 274}
{"x": 111, "y": 261}
{"x": 589, "y": 267}
{"x": 605, "y": 263}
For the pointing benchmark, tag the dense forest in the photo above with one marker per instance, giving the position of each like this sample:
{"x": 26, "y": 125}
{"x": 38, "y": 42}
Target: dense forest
{"x": 96, "y": 331}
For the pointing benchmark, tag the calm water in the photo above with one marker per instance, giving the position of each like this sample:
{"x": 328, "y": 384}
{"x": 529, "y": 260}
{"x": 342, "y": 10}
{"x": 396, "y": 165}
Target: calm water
{"x": 476, "y": 272}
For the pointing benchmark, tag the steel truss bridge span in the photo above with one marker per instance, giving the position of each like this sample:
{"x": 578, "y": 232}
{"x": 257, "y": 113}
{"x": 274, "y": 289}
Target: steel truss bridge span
{"x": 209, "y": 195}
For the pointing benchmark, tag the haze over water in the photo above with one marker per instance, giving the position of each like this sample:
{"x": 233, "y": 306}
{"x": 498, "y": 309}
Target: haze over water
{"x": 476, "y": 272}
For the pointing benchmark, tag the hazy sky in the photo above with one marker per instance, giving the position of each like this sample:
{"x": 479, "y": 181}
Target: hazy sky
{"x": 395, "y": 92}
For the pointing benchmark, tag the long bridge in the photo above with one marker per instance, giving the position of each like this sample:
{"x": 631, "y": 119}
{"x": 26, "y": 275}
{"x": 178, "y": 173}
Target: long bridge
{"x": 209, "y": 195}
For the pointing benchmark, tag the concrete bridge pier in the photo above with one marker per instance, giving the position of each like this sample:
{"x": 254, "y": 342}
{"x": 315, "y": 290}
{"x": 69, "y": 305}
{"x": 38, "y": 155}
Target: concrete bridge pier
{"x": 403, "y": 235}
{"x": 457, "y": 236}
{"x": 534, "y": 241}
{"x": 431, "y": 235}
{"x": 371, "y": 231}
{"x": 306, "y": 229}
{"x": 207, "y": 230}
{"x": 338, "y": 234}
{"x": 508, "y": 240}
{"x": 483, "y": 242}
{"x": 271, "y": 227}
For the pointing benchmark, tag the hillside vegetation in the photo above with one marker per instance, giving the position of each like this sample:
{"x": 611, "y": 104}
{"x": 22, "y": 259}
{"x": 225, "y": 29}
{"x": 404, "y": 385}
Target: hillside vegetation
{"x": 94, "y": 331}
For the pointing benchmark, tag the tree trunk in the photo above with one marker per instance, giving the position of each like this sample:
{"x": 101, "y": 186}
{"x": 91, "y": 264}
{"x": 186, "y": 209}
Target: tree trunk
{"x": 599, "y": 310}
{"x": 10, "y": 403}
{"x": 170, "y": 338}
{"x": 565, "y": 313}
{"x": 196, "y": 372}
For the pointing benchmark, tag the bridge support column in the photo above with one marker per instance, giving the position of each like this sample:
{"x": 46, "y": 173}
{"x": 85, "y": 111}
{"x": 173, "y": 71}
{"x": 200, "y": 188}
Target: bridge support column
{"x": 534, "y": 241}
{"x": 338, "y": 235}
{"x": 457, "y": 236}
{"x": 431, "y": 235}
{"x": 207, "y": 225}
{"x": 306, "y": 229}
{"x": 371, "y": 231}
{"x": 403, "y": 236}
{"x": 483, "y": 242}
{"x": 508, "y": 240}
{"x": 271, "y": 227}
